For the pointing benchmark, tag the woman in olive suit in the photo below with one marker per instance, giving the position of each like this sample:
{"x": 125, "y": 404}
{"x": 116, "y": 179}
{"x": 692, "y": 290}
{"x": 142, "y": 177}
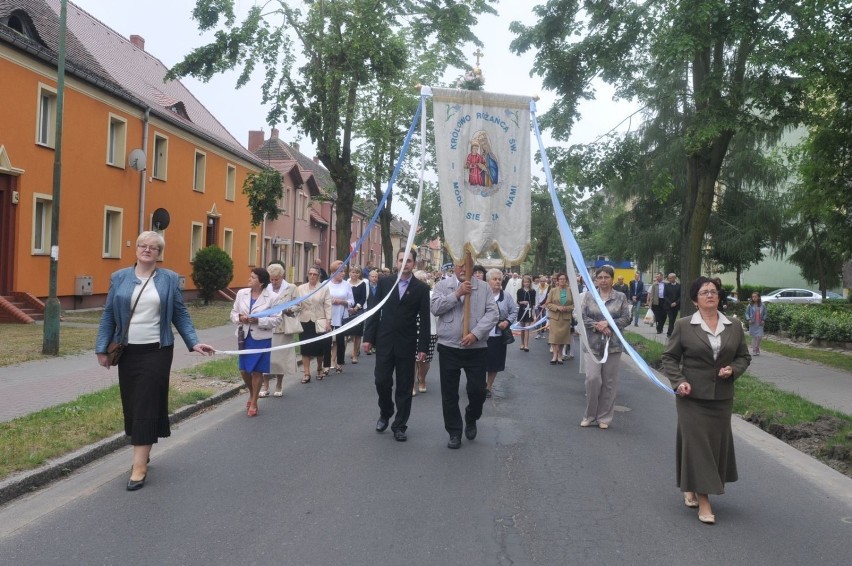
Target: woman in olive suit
{"x": 705, "y": 355}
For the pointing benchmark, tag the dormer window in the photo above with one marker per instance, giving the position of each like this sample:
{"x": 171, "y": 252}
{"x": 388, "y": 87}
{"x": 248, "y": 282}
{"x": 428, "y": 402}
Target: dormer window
{"x": 21, "y": 23}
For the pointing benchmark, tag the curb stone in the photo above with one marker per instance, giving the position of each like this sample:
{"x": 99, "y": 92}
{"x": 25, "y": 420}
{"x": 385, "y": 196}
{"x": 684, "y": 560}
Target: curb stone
{"x": 23, "y": 483}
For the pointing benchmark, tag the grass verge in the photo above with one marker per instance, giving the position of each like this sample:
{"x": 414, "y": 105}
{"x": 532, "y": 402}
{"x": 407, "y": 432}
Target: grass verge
{"x": 28, "y": 442}
{"x": 774, "y": 410}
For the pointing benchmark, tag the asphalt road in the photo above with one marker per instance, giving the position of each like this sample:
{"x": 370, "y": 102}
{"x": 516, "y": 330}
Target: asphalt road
{"x": 310, "y": 482}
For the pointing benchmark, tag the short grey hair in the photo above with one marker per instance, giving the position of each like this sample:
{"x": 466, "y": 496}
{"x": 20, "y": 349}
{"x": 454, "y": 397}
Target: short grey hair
{"x": 275, "y": 270}
{"x": 149, "y": 235}
{"x": 492, "y": 272}
{"x": 422, "y": 275}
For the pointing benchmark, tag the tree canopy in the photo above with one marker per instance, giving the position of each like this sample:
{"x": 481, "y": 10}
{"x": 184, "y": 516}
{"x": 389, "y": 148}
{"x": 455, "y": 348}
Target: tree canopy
{"x": 703, "y": 72}
{"x": 320, "y": 58}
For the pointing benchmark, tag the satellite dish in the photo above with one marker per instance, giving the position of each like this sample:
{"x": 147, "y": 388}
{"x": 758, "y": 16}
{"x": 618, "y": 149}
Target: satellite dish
{"x": 136, "y": 159}
{"x": 160, "y": 219}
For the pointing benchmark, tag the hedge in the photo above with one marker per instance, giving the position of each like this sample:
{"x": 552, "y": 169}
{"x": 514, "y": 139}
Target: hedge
{"x": 828, "y": 321}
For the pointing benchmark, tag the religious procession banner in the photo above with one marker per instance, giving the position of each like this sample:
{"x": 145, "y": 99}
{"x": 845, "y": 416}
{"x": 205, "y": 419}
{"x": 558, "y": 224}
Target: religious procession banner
{"x": 483, "y": 155}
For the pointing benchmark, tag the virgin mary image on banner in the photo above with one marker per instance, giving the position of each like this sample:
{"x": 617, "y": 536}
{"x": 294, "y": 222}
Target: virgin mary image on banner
{"x": 481, "y": 163}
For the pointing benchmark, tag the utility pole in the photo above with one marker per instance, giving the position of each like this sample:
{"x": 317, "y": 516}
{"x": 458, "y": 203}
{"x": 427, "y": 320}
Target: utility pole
{"x": 50, "y": 344}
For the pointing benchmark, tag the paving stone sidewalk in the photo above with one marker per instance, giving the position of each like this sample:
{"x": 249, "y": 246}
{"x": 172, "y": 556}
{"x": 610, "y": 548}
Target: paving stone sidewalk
{"x": 31, "y": 386}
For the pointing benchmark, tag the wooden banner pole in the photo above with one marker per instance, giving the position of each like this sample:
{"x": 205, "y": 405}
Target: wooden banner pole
{"x": 468, "y": 270}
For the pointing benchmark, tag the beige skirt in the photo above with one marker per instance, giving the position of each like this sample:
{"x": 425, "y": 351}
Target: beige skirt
{"x": 283, "y": 362}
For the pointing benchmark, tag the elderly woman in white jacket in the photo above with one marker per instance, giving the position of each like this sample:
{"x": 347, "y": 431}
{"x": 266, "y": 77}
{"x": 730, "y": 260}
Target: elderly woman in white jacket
{"x": 283, "y": 361}
{"x": 257, "y": 298}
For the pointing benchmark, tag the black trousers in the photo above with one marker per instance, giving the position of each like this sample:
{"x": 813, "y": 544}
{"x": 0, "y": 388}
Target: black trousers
{"x": 340, "y": 353}
{"x": 401, "y": 361}
{"x": 672, "y": 314}
{"x": 451, "y": 361}
{"x": 659, "y": 316}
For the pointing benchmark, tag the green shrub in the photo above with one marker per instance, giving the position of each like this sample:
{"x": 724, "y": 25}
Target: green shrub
{"x": 212, "y": 270}
{"x": 824, "y": 322}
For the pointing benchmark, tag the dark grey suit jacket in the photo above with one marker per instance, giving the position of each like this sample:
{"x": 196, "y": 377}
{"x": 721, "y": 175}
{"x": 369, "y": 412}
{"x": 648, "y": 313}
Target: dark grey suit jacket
{"x": 689, "y": 358}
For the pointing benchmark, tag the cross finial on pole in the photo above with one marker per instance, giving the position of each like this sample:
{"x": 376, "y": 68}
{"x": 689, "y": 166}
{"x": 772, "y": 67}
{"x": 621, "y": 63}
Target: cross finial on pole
{"x": 478, "y": 53}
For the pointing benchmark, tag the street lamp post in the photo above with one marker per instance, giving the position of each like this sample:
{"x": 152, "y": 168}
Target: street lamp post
{"x": 50, "y": 344}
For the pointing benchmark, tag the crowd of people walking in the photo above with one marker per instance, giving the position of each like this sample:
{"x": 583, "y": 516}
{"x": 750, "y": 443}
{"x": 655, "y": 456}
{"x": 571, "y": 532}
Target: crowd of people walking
{"x": 467, "y": 320}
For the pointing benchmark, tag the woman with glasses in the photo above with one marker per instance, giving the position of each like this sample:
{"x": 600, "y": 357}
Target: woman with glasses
{"x": 257, "y": 330}
{"x": 705, "y": 355}
{"x": 143, "y": 303}
{"x": 602, "y": 376}
{"x": 560, "y": 306}
{"x": 316, "y": 320}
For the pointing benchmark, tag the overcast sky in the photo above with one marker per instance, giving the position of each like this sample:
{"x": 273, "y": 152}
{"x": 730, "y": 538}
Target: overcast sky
{"x": 170, "y": 33}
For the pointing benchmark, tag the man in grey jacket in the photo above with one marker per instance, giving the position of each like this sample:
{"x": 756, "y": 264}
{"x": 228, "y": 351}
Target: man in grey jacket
{"x": 457, "y": 352}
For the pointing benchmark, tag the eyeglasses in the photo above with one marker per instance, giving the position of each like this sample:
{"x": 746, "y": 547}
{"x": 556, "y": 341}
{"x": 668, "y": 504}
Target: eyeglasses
{"x": 708, "y": 293}
{"x": 148, "y": 248}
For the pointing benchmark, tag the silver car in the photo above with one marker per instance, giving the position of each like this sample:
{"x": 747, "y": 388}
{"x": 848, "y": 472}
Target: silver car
{"x": 792, "y": 296}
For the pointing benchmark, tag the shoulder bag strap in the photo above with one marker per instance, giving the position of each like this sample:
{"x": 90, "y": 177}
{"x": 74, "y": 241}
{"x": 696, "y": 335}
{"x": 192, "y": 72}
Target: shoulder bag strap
{"x": 126, "y": 329}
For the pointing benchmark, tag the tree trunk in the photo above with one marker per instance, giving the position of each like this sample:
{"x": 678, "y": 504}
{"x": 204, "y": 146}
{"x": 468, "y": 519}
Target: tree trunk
{"x": 385, "y": 218}
{"x": 739, "y": 282}
{"x": 702, "y": 170}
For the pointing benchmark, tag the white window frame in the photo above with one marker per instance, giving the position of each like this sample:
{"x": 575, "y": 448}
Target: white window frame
{"x": 284, "y": 203}
{"x": 228, "y": 242}
{"x": 198, "y": 177}
{"x": 112, "y": 232}
{"x": 116, "y": 141}
{"x": 196, "y": 239}
{"x": 46, "y": 102}
{"x": 160, "y": 165}
{"x": 252, "y": 251}
{"x": 230, "y": 182}
{"x": 44, "y": 219}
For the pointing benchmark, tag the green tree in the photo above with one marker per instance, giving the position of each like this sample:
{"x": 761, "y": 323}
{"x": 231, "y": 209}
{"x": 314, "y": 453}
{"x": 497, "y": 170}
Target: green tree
{"x": 264, "y": 191}
{"x": 702, "y": 71}
{"x": 319, "y": 62}
{"x": 212, "y": 270}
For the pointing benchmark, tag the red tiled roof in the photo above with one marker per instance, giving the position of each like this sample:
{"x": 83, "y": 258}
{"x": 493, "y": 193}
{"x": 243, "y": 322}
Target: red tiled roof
{"x": 315, "y": 216}
{"x": 95, "y": 48}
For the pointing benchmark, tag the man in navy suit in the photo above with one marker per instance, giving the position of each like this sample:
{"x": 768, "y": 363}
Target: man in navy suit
{"x": 635, "y": 292}
{"x": 399, "y": 341}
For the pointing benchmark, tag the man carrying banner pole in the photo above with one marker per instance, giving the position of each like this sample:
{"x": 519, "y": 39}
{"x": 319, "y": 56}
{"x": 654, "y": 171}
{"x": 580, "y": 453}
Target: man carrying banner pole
{"x": 450, "y": 299}
{"x": 483, "y": 158}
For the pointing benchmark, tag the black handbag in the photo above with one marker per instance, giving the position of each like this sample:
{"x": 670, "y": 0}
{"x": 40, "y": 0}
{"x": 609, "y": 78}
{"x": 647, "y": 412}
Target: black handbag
{"x": 241, "y": 338}
{"x": 508, "y": 336}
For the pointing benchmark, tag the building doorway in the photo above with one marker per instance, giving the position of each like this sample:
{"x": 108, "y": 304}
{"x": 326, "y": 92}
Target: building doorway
{"x": 7, "y": 233}
{"x": 211, "y": 238}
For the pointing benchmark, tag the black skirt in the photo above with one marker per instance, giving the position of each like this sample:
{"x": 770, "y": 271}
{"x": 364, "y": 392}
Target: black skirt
{"x": 313, "y": 349}
{"x": 496, "y": 357}
{"x": 143, "y": 379}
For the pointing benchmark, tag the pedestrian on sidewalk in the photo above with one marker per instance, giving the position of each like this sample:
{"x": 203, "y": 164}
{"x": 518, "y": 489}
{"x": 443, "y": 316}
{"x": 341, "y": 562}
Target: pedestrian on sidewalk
{"x": 143, "y": 303}
{"x": 634, "y": 293}
{"x": 756, "y": 318}
{"x": 256, "y": 331}
{"x": 560, "y": 308}
{"x": 706, "y": 353}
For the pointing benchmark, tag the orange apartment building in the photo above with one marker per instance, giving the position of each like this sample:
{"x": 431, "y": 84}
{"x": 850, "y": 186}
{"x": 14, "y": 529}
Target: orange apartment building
{"x": 131, "y": 145}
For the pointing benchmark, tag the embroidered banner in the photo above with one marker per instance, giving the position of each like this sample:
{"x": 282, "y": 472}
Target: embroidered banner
{"x": 483, "y": 155}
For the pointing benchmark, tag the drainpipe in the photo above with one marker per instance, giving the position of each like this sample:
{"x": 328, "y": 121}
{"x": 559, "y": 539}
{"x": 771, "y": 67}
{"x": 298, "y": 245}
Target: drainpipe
{"x": 263, "y": 242}
{"x": 144, "y": 171}
{"x": 293, "y": 266}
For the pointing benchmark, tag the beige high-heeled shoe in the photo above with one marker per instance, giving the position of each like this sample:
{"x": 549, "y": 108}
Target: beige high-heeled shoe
{"x": 707, "y": 519}
{"x": 692, "y": 502}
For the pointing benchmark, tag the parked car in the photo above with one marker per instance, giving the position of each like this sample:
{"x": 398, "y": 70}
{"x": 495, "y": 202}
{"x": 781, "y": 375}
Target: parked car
{"x": 792, "y": 296}
{"x": 833, "y": 295}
